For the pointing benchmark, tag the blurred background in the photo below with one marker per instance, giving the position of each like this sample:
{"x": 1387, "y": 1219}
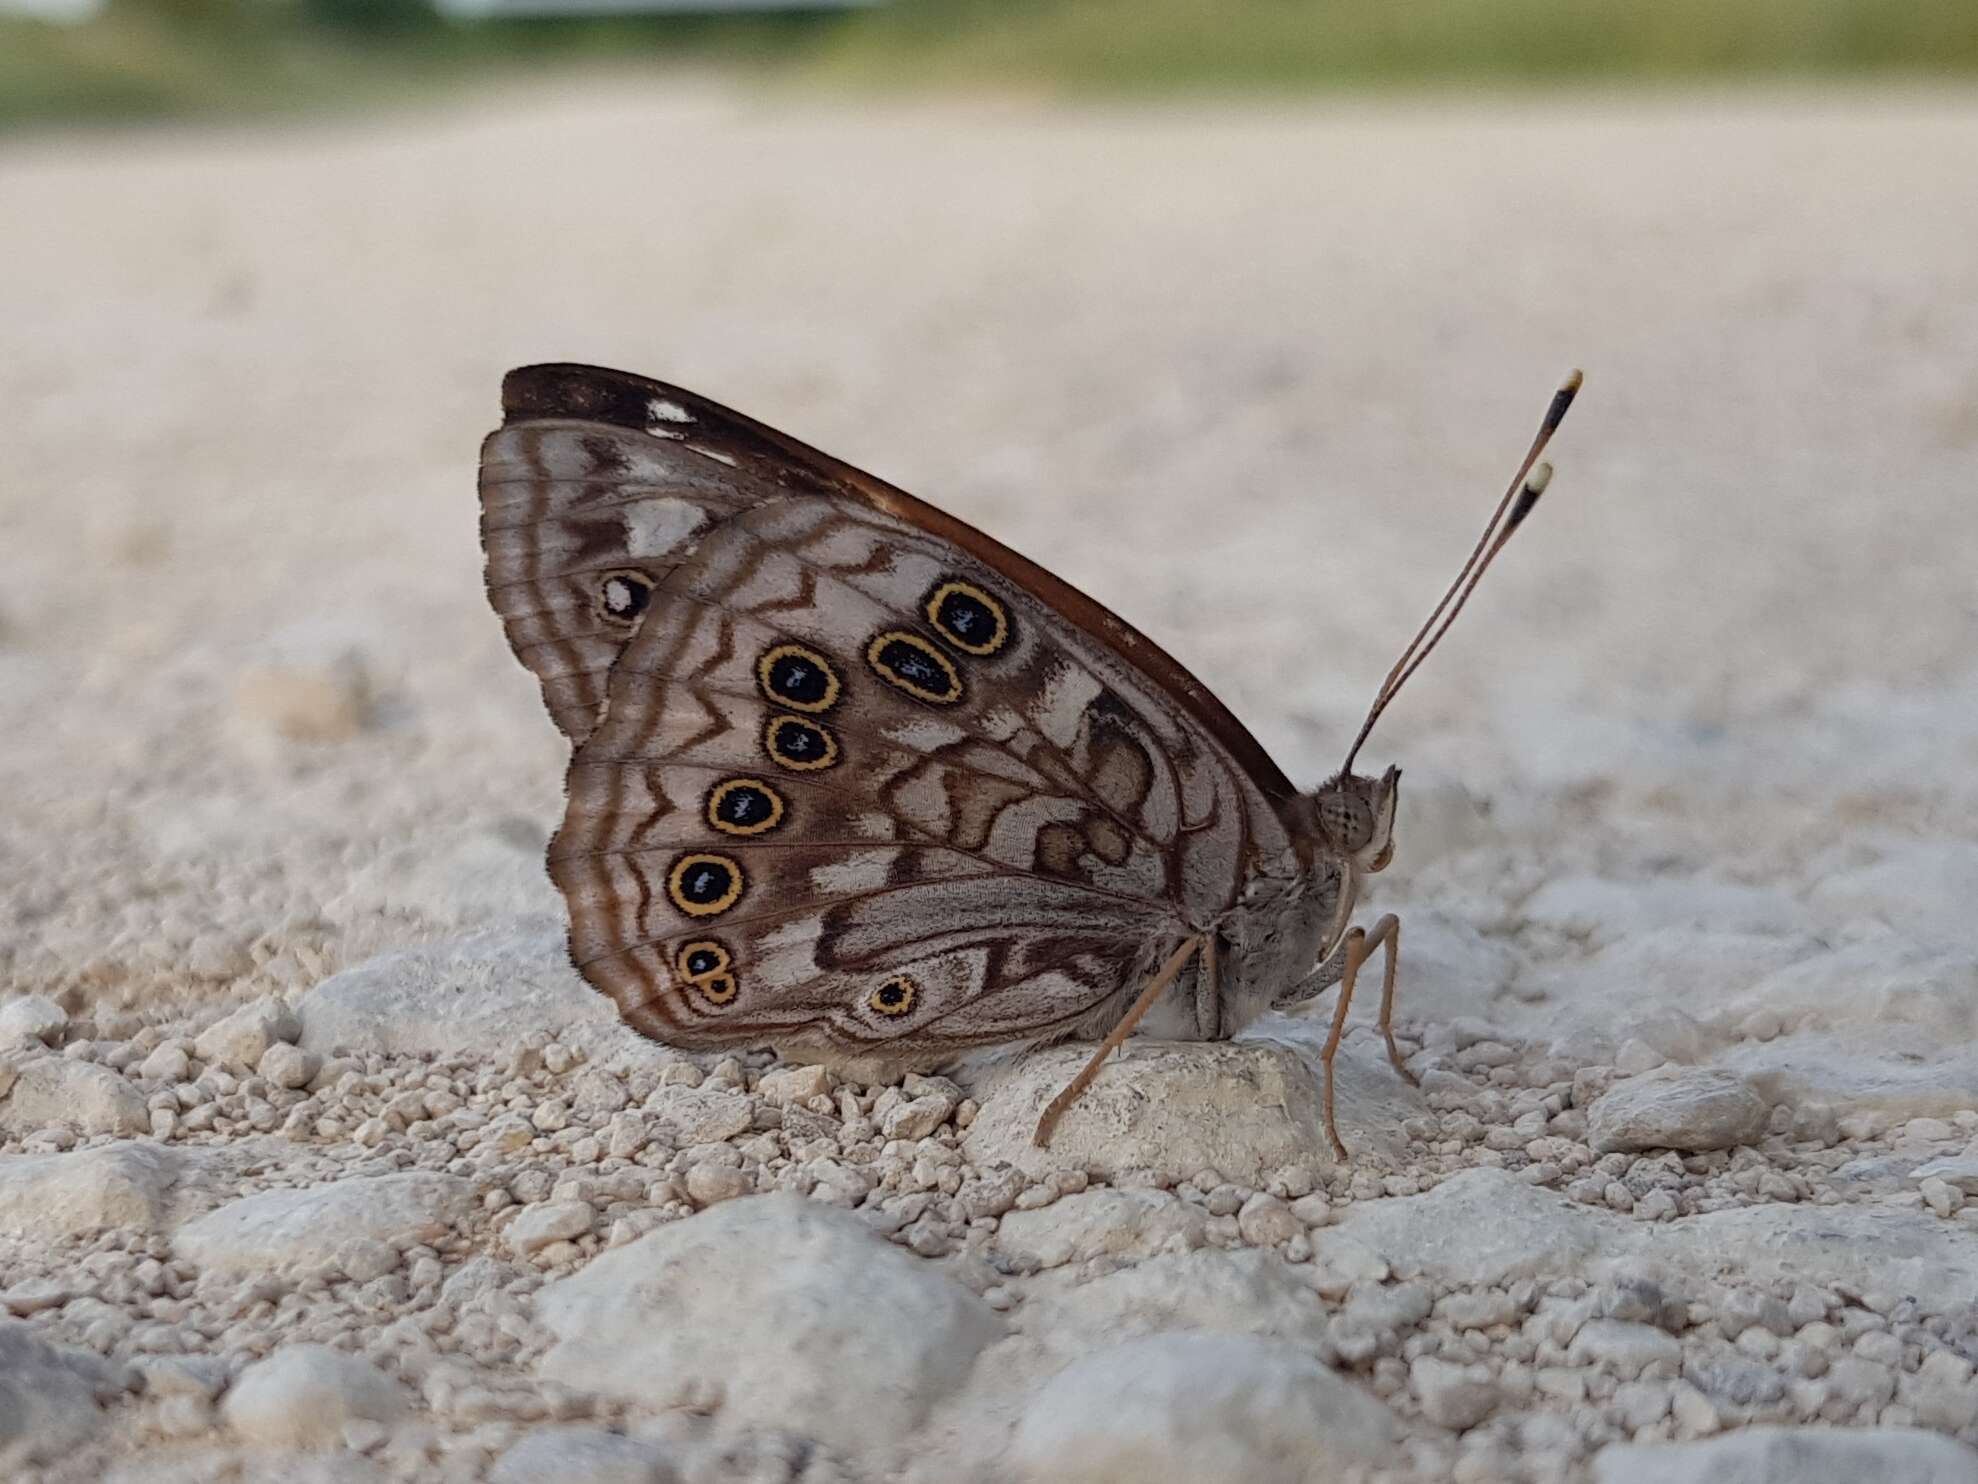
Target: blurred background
{"x": 89, "y": 59}
{"x": 1237, "y": 314}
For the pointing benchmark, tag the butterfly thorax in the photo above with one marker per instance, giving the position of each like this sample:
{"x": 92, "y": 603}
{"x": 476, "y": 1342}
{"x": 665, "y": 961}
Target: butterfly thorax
{"x": 1280, "y": 930}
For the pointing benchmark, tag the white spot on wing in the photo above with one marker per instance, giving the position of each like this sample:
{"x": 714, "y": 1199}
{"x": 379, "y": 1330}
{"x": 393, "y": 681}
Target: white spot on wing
{"x": 1000, "y": 725}
{"x": 712, "y": 453}
{"x": 924, "y": 735}
{"x": 861, "y": 870}
{"x": 655, "y": 528}
{"x": 1066, "y": 695}
{"x": 659, "y": 410}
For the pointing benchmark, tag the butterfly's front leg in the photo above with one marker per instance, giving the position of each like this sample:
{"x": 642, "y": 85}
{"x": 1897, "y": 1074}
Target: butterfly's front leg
{"x": 1354, "y": 950}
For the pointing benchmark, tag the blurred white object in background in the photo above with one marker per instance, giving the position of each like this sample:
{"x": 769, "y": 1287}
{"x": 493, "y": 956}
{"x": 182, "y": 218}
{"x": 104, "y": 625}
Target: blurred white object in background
{"x": 501, "y": 9}
{"x": 64, "y": 12}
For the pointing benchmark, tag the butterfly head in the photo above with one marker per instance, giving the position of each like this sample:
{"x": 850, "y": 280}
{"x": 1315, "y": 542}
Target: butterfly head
{"x": 1353, "y": 817}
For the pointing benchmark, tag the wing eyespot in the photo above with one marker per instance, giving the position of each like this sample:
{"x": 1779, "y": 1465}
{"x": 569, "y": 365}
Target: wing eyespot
{"x": 717, "y": 989}
{"x": 797, "y": 676}
{"x": 967, "y": 617}
{"x": 622, "y": 595}
{"x": 705, "y": 885}
{"x": 800, "y": 745}
{"x": 910, "y": 663}
{"x": 744, "y": 806}
{"x": 894, "y": 997}
{"x": 705, "y": 964}
{"x": 702, "y": 957}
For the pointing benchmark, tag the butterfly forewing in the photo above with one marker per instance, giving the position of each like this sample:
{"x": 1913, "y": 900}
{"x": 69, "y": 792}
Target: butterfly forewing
{"x": 591, "y": 493}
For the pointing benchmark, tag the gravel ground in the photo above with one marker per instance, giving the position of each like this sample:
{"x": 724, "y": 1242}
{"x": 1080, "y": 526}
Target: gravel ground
{"x": 316, "y": 1162}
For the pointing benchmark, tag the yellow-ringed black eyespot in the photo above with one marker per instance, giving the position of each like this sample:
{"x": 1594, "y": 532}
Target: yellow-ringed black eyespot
{"x": 797, "y": 677}
{"x": 704, "y": 885}
{"x": 744, "y": 806}
{"x": 623, "y": 594}
{"x": 909, "y": 663}
{"x": 967, "y": 617}
{"x": 716, "y": 989}
{"x": 799, "y": 745}
{"x": 703, "y": 963}
{"x": 701, "y": 959}
{"x": 895, "y": 997}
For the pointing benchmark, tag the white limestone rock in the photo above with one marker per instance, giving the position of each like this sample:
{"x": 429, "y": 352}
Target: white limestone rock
{"x": 551, "y": 1221}
{"x": 167, "y": 1063}
{"x": 49, "y": 1398}
{"x": 1959, "y": 1172}
{"x": 126, "y": 1186}
{"x": 1241, "y": 1292}
{"x": 1102, "y": 1222}
{"x": 1873, "y": 1246}
{"x": 1068, "y": 1314}
{"x": 1626, "y": 1347}
{"x": 31, "y": 1019}
{"x": 480, "y": 874}
{"x": 795, "y": 1084}
{"x": 584, "y": 1455}
{"x": 49, "y": 1090}
{"x": 303, "y": 1396}
{"x": 1453, "y": 1396}
{"x": 797, "y": 1314}
{"x": 279, "y": 1230}
{"x": 1794, "y": 1455}
{"x": 222, "y": 1460}
{"x": 1196, "y": 1406}
{"x": 1481, "y": 1226}
{"x": 1900, "y": 1068}
{"x": 1683, "y": 1108}
{"x": 1246, "y": 1108}
{"x": 480, "y": 994}
{"x": 700, "y": 1115}
{"x": 242, "y": 1038}
{"x": 283, "y": 1065}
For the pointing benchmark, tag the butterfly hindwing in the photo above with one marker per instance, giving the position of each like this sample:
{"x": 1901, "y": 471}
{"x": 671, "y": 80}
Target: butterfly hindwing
{"x": 1014, "y": 880}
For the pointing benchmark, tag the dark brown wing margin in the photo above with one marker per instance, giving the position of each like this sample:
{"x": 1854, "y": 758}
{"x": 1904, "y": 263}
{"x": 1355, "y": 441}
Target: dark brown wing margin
{"x": 620, "y": 398}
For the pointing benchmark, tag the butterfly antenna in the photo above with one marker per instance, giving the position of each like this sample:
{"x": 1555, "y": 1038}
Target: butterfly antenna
{"x": 1519, "y": 497}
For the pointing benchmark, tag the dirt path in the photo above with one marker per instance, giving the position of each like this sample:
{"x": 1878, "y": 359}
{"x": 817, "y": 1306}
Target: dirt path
{"x": 1701, "y": 767}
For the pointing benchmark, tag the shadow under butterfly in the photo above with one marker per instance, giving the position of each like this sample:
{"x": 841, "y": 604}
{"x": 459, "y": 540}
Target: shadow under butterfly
{"x": 850, "y": 777}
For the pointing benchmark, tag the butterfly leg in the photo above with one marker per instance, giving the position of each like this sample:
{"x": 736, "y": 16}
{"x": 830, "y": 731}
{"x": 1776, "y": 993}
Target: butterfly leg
{"x": 1359, "y": 946}
{"x": 1208, "y": 992}
{"x": 1387, "y": 933}
{"x": 1355, "y": 950}
{"x": 1120, "y": 1032}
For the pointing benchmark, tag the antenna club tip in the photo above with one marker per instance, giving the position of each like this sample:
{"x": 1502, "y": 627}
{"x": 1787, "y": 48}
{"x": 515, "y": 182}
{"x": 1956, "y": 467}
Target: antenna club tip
{"x": 1561, "y": 400}
{"x": 1572, "y": 382}
{"x": 1527, "y": 498}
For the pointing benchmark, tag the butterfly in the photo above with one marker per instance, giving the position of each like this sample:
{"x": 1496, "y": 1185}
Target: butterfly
{"x": 849, "y": 776}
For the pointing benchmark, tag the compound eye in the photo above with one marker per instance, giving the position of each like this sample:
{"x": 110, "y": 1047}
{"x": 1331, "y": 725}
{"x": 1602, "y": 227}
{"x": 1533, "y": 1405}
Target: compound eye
{"x": 1346, "y": 820}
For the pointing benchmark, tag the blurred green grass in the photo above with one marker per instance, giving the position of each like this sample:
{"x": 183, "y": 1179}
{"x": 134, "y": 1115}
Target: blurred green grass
{"x": 169, "y": 58}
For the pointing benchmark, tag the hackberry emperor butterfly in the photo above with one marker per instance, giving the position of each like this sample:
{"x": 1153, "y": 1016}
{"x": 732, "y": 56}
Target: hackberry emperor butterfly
{"x": 851, "y": 776}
